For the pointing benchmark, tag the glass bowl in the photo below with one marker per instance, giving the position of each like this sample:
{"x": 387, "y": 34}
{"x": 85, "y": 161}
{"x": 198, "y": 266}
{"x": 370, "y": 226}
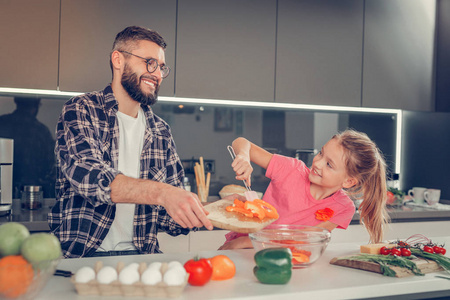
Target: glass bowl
{"x": 25, "y": 282}
{"x": 307, "y": 243}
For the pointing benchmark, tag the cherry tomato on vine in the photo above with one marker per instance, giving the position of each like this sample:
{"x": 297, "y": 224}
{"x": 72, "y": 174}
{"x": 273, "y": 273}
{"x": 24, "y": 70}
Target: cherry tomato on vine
{"x": 396, "y": 251}
{"x": 390, "y": 197}
{"x": 406, "y": 252}
{"x": 428, "y": 249}
{"x": 439, "y": 250}
{"x": 200, "y": 271}
{"x": 385, "y": 251}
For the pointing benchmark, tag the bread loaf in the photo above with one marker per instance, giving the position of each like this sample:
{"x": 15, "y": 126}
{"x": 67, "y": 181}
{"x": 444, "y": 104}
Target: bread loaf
{"x": 231, "y": 189}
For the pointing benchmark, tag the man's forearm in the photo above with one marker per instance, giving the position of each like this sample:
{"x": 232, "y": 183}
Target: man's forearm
{"x": 126, "y": 189}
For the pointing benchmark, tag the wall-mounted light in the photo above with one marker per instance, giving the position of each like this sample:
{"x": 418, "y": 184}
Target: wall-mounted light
{"x": 182, "y": 101}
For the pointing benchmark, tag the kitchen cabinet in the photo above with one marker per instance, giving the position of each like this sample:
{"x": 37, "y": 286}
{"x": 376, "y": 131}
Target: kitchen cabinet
{"x": 398, "y": 54}
{"x": 29, "y": 44}
{"x": 202, "y": 240}
{"x": 226, "y": 49}
{"x": 319, "y": 52}
{"x": 88, "y": 30}
{"x": 173, "y": 244}
{"x": 205, "y": 240}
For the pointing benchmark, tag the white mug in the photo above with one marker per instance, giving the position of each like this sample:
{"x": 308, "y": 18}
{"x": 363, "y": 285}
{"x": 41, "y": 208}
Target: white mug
{"x": 432, "y": 196}
{"x": 417, "y": 194}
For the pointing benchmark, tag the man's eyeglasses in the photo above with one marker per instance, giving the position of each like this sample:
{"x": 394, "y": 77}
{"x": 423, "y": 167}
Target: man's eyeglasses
{"x": 152, "y": 64}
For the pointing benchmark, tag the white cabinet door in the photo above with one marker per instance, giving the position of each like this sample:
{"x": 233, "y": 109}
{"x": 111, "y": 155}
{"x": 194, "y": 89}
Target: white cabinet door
{"x": 29, "y": 43}
{"x": 205, "y": 240}
{"x": 88, "y": 30}
{"x": 173, "y": 244}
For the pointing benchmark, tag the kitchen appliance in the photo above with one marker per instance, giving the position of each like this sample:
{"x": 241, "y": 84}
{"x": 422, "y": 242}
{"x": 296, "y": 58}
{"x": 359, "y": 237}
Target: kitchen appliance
{"x": 6, "y": 175}
{"x": 306, "y": 155}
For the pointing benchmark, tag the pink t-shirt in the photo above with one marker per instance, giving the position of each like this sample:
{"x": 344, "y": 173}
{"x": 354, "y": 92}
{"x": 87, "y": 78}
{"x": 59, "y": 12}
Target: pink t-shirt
{"x": 289, "y": 193}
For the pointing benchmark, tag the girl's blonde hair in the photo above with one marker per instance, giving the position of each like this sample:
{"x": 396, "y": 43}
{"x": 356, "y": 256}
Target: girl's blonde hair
{"x": 365, "y": 162}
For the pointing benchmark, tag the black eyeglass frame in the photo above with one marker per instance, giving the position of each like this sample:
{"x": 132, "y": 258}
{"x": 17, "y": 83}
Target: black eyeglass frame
{"x": 149, "y": 61}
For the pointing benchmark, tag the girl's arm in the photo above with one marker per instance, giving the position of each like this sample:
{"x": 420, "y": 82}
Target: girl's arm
{"x": 247, "y": 152}
{"x": 327, "y": 225}
{"x": 242, "y": 242}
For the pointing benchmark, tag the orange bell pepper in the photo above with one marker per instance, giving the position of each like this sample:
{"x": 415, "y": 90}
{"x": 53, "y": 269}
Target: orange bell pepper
{"x": 271, "y": 212}
{"x": 299, "y": 258}
{"x": 238, "y": 203}
{"x": 240, "y": 210}
{"x": 257, "y": 210}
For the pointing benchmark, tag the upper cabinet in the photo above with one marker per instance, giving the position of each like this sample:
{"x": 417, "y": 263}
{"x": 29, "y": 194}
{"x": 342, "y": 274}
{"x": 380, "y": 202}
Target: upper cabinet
{"x": 398, "y": 54}
{"x": 319, "y": 52}
{"x": 226, "y": 49}
{"x": 29, "y": 32}
{"x": 372, "y": 53}
{"x": 88, "y": 30}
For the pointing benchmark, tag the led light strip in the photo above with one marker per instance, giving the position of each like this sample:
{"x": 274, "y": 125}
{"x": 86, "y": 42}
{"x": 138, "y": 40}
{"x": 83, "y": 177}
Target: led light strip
{"x": 4, "y": 91}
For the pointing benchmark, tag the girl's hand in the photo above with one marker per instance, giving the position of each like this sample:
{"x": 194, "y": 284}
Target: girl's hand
{"x": 242, "y": 242}
{"x": 243, "y": 168}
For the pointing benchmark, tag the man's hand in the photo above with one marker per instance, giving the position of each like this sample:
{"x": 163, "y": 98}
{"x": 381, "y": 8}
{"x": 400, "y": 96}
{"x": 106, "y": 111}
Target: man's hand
{"x": 183, "y": 206}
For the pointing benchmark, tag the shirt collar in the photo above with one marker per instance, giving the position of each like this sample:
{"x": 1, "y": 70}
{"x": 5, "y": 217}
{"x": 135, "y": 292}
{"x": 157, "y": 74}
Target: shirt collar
{"x": 110, "y": 99}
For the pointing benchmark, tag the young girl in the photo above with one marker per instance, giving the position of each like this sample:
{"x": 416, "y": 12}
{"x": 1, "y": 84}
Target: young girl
{"x": 348, "y": 164}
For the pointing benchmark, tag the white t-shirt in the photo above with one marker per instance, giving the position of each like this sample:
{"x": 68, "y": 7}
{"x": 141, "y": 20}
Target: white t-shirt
{"x": 131, "y": 141}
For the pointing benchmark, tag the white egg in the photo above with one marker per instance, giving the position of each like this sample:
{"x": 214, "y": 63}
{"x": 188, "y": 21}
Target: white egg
{"x": 175, "y": 264}
{"x": 155, "y": 265}
{"x": 129, "y": 275}
{"x": 151, "y": 276}
{"x": 107, "y": 275}
{"x": 85, "y": 274}
{"x": 134, "y": 266}
{"x": 174, "y": 276}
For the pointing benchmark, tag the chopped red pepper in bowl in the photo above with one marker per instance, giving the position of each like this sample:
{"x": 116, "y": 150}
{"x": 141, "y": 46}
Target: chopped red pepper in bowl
{"x": 307, "y": 243}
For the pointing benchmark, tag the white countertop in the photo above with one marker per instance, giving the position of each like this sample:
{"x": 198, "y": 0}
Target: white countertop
{"x": 320, "y": 281}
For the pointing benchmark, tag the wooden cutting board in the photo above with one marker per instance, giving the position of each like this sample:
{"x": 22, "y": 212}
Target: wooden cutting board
{"x": 233, "y": 221}
{"x": 425, "y": 266}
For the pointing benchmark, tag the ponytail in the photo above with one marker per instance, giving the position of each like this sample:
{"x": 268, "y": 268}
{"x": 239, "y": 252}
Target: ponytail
{"x": 365, "y": 163}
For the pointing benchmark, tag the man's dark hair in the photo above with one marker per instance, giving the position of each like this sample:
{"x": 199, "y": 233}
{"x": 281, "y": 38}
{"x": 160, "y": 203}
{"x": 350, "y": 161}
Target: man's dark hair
{"x": 128, "y": 38}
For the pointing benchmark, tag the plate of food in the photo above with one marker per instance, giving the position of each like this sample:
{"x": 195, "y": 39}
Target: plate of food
{"x": 241, "y": 216}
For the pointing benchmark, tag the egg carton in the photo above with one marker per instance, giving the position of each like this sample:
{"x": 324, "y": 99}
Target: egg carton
{"x": 137, "y": 289}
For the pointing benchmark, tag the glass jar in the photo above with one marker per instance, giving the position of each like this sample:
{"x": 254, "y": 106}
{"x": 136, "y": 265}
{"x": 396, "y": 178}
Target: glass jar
{"x": 32, "y": 197}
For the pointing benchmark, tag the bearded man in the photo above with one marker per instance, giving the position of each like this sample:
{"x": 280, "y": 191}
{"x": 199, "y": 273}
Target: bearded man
{"x": 119, "y": 177}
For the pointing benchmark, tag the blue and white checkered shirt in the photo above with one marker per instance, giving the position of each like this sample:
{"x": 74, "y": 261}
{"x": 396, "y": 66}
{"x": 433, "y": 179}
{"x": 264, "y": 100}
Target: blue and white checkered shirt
{"x": 87, "y": 152}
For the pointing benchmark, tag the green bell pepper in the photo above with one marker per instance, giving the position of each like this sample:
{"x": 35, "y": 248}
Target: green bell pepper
{"x": 273, "y": 265}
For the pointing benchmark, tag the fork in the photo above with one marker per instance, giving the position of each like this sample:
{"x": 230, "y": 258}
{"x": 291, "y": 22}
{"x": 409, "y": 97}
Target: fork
{"x": 249, "y": 194}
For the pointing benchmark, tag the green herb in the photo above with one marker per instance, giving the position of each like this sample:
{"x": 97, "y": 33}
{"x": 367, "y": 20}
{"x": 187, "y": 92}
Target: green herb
{"x": 440, "y": 259}
{"x": 398, "y": 193}
{"x": 385, "y": 261}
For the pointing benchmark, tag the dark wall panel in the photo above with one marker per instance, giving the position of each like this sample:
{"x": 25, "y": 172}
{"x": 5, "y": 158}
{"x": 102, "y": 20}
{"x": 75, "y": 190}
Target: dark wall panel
{"x": 425, "y": 154}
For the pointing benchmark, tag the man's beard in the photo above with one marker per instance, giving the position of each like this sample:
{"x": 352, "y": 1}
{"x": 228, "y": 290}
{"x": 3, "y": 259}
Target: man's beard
{"x": 130, "y": 83}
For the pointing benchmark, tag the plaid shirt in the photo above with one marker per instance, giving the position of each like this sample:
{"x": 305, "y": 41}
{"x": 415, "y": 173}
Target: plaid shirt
{"x": 87, "y": 151}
